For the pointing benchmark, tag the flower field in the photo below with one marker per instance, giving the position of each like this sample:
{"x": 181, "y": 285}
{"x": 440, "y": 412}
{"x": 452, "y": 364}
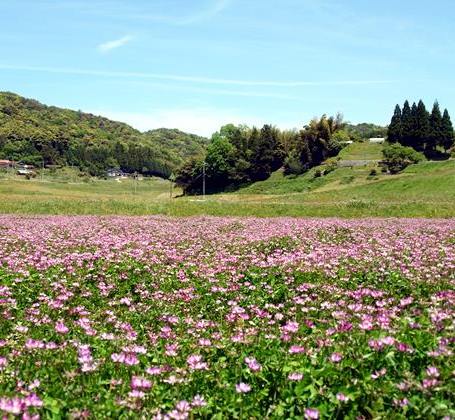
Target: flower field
{"x": 155, "y": 317}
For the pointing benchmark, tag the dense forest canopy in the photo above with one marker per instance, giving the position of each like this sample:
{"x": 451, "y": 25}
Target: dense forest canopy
{"x": 34, "y": 133}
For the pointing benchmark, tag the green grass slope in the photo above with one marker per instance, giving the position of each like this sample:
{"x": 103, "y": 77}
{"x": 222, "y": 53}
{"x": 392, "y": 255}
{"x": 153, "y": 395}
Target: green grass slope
{"x": 362, "y": 151}
{"x": 425, "y": 189}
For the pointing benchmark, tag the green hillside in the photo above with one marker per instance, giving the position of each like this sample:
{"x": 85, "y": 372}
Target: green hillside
{"x": 33, "y": 132}
{"x": 431, "y": 184}
{"x": 366, "y": 130}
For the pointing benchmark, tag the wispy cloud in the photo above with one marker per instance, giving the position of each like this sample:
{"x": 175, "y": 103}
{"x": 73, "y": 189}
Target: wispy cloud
{"x": 214, "y": 9}
{"x": 116, "y": 43}
{"x": 128, "y": 10}
{"x": 197, "y": 79}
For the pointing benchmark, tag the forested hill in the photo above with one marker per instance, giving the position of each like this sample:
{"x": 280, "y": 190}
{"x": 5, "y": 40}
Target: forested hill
{"x": 33, "y": 132}
{"x": 365, "y": 131}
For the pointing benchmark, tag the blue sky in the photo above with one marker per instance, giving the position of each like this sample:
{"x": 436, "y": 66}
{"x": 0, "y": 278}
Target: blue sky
{"x": 197, "y": 64}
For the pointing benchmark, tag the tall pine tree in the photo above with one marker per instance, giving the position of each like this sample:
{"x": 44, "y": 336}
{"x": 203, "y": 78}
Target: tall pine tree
{"x": 435, "y": 135}
{"x": 422, "y": 127}
{"x": 412, "y": 134}
{"x": 407, "y": 125}
{"x": 448, "y": 139}
{"x": 394, "y": 132}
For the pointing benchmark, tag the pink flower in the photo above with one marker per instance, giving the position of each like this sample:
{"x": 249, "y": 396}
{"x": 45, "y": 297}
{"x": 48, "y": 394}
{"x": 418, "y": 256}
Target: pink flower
{"x": 140, "y": 383}
{"x": 433, "y": 372}
{"x": 205, "y": 342}
{"x": 171, "y": 350}
{"x": 198, "y": 401}
{"x": 3, "y": 362}
{"x": 341, "y": 397}
{"x": 154, "y": 371}
{"x": 379, "y": 373}
{"x": 429, "y": 383}
{"x": 135, "y": 393}
{"x": 242, "y": 388}
{"x": 296, "y": 349}
{"x": 366, "y": 325}
{"x": 32, "y": 400}
{"x": 129, "y": 359}
{"x": 183, "y": 406}
{"x": 336, "y": 357}
{"x": 195, "y": 362}
{"x": 311, "y": 413}
{"x": 35, "y": 384}
{"x": 61, "y": 328}
{"x": 401, "y": 403}
{"x": 253, "y": 364}
{"x": 295, "y": 376}
{"x": 290, "y": 327}
{"x": 13, "y": 405}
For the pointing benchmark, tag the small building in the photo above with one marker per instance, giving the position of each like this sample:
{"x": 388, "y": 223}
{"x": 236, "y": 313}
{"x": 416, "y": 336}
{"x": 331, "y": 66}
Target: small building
{"x": 377, "y": 140}
{"x": 115, "y": 173}
{"x": 25, "y": 172}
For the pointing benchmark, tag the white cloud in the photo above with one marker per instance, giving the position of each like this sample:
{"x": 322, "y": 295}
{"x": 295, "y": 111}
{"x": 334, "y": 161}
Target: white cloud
{"x": 202, "y": 121}
{"x": 112, "y": 45}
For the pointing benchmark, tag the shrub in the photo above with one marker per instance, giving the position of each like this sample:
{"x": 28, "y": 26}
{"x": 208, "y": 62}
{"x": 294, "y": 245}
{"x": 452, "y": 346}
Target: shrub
{"x": 293, "y": 166}
{"x": 330, "y": 167}
{"x": 398, "y": 157}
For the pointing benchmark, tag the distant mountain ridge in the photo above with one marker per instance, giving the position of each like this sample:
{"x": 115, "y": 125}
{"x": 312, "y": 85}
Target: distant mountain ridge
{"x": 36, "y": 133}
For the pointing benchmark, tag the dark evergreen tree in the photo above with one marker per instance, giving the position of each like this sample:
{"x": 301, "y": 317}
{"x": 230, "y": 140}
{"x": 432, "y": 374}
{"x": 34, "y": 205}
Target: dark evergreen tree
{"x": 412, "y": 134}
{"x": 422, "y": 127}
{"x": 448, "y": 139}
{"x": 435, "y": 135}
{"x": 394, "y": 133}
{"x": 407, "y": 125}
{"x": 305, "y": 155}
{"x": 265, "y": 154}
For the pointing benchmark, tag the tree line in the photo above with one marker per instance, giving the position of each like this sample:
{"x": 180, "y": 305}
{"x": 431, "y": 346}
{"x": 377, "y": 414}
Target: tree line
{"x": 429, "y": 133}
{"x": 239, "y": 155}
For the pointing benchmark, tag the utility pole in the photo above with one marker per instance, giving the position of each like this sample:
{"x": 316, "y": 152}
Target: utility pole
{"x": 42, "y": 169}
{"x": 171, "y": 185}
{"x": 203, "y": 180}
